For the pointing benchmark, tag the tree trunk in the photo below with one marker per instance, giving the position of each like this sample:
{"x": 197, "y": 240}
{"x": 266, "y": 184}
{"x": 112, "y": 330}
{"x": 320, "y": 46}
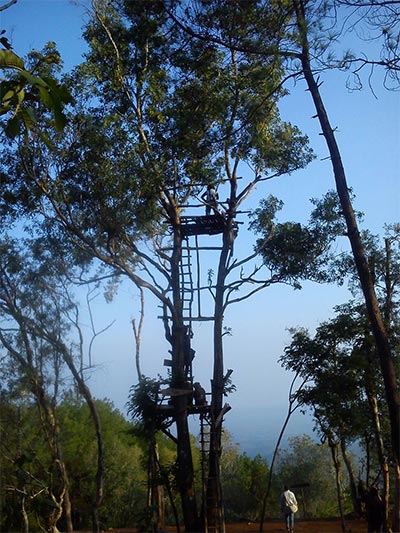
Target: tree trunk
{"x": 185, "y": 471}
{"x": 215, "y": 510}
{"x": 352, "y": 479}
{"x": 154, "y": 489}
{"x": 68, "y": 510}
{"x": 271, "y": 469}
{"x": 25, "y": 519}
{"x": 396, "y": 510}
{"x": 85, "y": 391}
{"x": 98, "y": 500}
{"x": 21, "y": 489}
{"x": 185, "y": 475}
{"x": 60, "y": 498}
{"x": 291, "y": 410}
{"x": 338, "y": 478}
{"x": 366, "y": 281}
{"x": 373, "y": 404}
{"x": 50, "y": 426}
{"x": 367, "y": 446}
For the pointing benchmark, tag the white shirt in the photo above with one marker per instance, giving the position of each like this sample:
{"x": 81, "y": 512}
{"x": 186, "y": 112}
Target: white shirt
{"x": 288, "y": 501}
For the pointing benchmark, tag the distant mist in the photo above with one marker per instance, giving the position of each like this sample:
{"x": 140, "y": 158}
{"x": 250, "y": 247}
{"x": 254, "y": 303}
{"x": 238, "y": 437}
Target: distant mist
{"x": 256, "y": 429}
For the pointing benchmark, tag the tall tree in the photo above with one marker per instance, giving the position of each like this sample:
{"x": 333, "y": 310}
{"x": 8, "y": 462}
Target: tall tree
{"x": 37, "y": 365}
{"x": 158, "y": 117}
{"x": 301, "y": 39}
{"x": 36, "y": 298}
{"x": 303, "y": 17}
{"x": 344, "y": 346}
{"x": 160, "y": 114}
{"x": 298, "y": 35}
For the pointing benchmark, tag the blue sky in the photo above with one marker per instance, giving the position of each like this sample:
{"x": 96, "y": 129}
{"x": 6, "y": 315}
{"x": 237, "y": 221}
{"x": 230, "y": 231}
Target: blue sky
{"x": 368, "y": 133}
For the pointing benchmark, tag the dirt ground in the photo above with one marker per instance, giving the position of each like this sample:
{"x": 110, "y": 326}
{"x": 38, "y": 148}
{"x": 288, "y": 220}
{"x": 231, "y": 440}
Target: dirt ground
{"x": 325, "y": 526}
{"x": 300, "y": 526}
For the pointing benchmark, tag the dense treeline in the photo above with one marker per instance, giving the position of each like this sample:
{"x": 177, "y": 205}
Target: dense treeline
{"x": 26, "y": 470}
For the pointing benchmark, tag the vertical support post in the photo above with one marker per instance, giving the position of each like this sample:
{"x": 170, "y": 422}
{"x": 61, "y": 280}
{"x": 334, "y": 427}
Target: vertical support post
{"x": 198, "y": 275}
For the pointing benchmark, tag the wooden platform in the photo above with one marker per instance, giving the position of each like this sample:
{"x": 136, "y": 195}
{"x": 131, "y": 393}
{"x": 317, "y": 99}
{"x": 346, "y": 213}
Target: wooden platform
{"x": 202, "y": 225}
{"x": 167, "y": 410}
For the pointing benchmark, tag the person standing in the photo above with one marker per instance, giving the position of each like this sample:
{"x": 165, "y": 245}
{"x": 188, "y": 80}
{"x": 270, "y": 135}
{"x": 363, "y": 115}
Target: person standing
{"x": 289, "y": 507}
{"x": 210, "y": 198}
{"x": 374, "y": 510}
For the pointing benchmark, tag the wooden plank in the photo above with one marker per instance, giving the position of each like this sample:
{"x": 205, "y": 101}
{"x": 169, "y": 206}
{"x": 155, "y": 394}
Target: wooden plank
{"x": 175, "y": 392}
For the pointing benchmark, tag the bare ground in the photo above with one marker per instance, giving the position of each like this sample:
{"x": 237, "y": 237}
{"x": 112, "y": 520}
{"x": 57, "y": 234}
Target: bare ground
{"x": 314, "y": 526}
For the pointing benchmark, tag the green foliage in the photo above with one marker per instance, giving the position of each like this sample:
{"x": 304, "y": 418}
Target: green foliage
{"x": 243, "y": 482}
{"x": 155, "y": 119}
{"x": 344, "y": 346}
{"x": 24, "y": 454}
{"x": 25, "y": 458}
{"x": 124, "y": 479}
{"x": 23, "y": 87}
{"x": 22, "y": 463}
{"x": 307, "y": 462}
{"x": 338, "y": 404}
{"x": 142, "y": 403}
{"x": 294, "y": 252}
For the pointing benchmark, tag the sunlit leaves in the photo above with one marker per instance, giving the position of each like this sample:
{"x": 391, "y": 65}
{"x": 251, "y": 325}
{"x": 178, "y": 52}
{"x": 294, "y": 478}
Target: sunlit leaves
{"x": 22, "y": 89}
{"x": 294, "y": 251}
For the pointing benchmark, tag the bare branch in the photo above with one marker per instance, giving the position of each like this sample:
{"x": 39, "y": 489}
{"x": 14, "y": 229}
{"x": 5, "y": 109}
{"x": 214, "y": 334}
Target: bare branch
{"x": 137, "y": 331}
{"x": 9, "y": 4}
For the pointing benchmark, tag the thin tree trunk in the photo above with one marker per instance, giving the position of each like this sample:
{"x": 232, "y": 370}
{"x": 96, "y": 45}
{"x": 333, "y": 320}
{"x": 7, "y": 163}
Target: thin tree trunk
{"x": 154, "y": 489}
{"x": 158, "y": 497}
{"x": 214, "y": 497}
{"x": 367, "y": 444}
{"x": 61, "y": 498}
{"x": 151, "y": 486}
{"x": 338, "y": 478}
{"x": 291, "y": 410}
{"x": 21, "y": 483}
{"x": 185, "y": 470}
{"x": 49, "y": 423}
{"x": 137, "y": 331}
{"x": 68, "y": 510}
{"x": 85, "y": 391}
{"x": 155, "y": 499}
{"x": 396, "y": 511}
{"x": 171, "y": 497}
{"x": 371, "y": 301}
{"x": 352, "y": 479}
{"x": 24, "y": 514}
{"x": 373, "y": 404}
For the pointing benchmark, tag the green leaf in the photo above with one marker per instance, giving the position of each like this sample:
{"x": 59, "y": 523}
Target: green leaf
{"x": 46, "y": 97}
{"x": 33, "y": 80}
{"x": 9, "y": 59}
{"x": 58, "y": 91}
{"x": 13, "y": 127}
{"x": 12, "y": 96}
{"x": 28, "y": 117}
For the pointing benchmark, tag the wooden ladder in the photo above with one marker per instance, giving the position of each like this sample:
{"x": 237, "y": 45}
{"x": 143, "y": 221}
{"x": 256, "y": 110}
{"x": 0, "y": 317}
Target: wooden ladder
{"x": 186, "y": 282}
